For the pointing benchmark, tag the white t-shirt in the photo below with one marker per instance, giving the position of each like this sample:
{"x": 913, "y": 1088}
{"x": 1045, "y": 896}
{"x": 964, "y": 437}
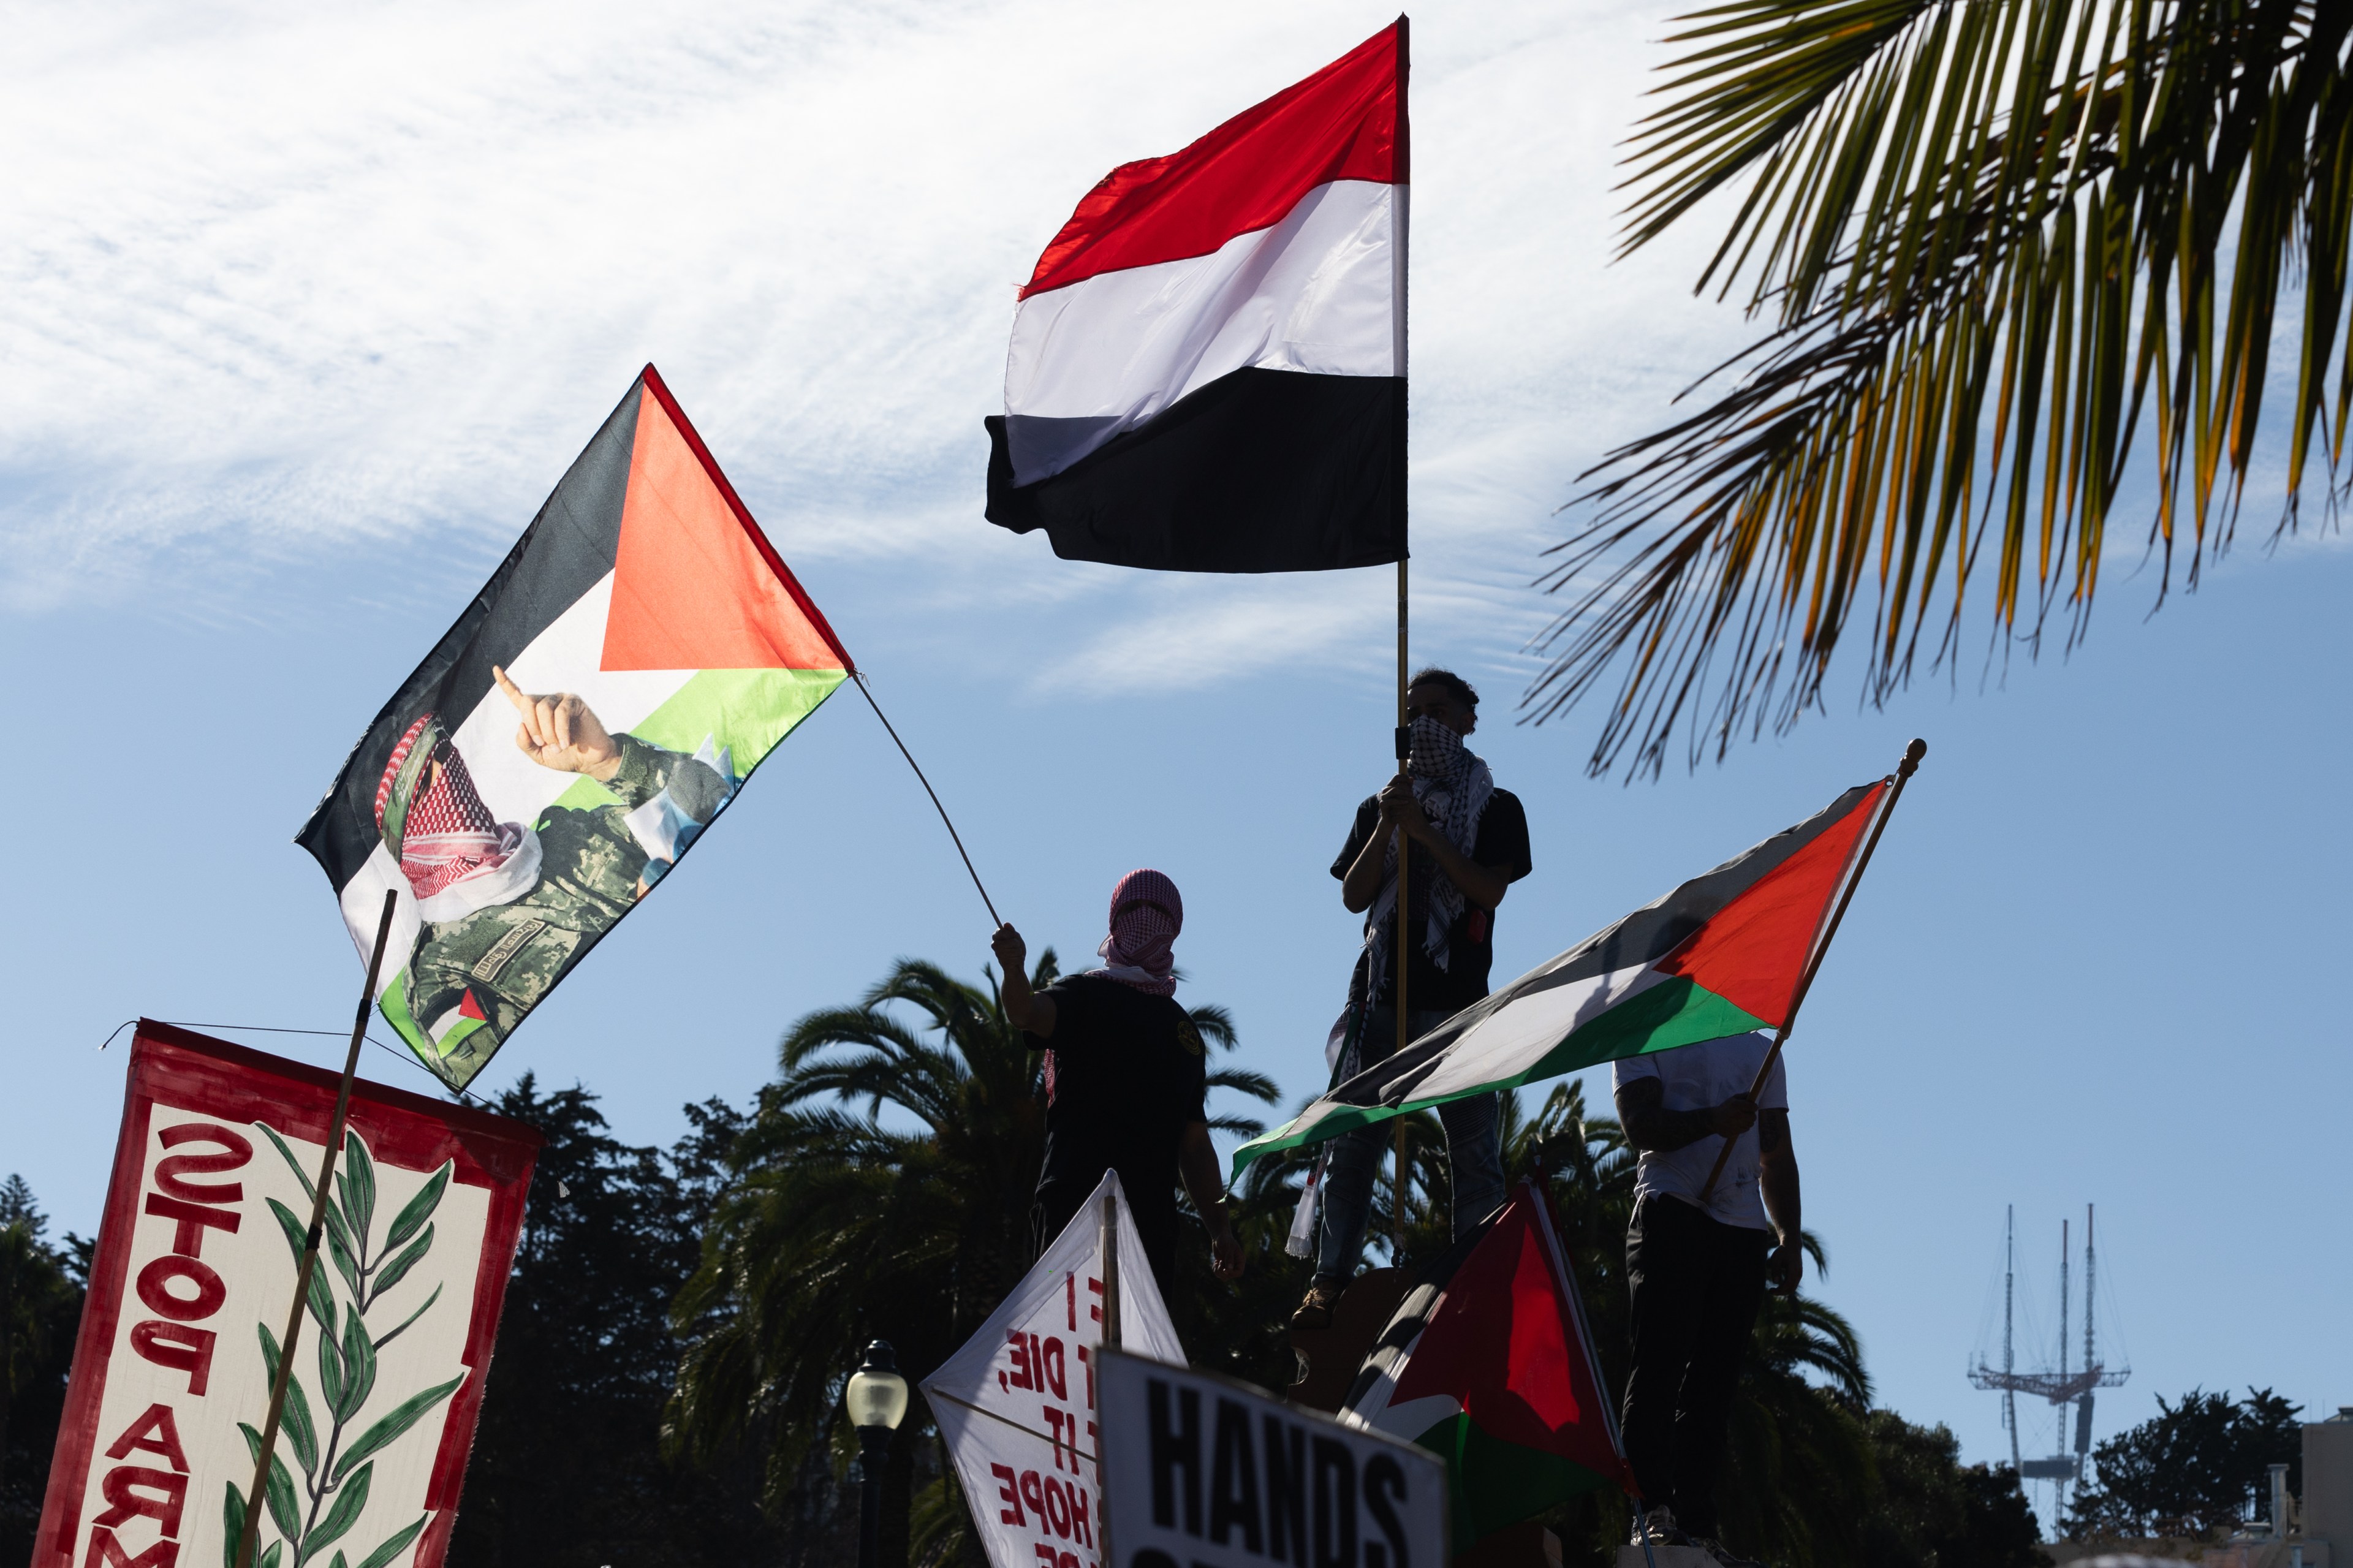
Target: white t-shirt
{"x": 1694, "y": 1077}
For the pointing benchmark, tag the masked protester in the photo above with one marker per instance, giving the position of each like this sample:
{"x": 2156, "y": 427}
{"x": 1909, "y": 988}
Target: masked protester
{"x": 1126, "y": 1080}
{"x": 1468, "y": 842}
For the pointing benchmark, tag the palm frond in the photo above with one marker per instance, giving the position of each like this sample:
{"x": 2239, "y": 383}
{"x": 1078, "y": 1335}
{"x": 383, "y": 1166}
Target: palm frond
{"x": 1998, "y": 242}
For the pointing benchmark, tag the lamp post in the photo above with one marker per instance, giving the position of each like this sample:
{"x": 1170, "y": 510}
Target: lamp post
{"x": 877, "y": 1398}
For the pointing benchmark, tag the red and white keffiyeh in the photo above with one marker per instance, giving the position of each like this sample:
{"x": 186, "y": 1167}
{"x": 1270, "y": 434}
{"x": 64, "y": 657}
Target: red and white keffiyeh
{"x": 448, "y": 835}
{"x": 1146, "y": 913}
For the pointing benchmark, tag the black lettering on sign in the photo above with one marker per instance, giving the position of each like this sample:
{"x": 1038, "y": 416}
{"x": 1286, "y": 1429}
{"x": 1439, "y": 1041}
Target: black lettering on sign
{"x": 1152, "y": 1557}
{"x": 1335, "y": 1504}
{"x": 170, "y": 1169}
{"x": 1385, "y": 1487}
{"x": 1233, "y": 1479}
{"x": 1175, "y": 1448}
{"x": 1286, "y": 1491}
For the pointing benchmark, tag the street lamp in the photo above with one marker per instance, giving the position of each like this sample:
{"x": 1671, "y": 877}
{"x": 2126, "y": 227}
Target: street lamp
{"x": 877, "y": 1398}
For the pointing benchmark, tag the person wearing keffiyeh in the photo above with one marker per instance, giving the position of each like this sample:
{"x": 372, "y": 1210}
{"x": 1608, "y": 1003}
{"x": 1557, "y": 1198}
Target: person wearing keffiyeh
{"x": 1468, "y": 843}
{"x": 1126, "y": 1080}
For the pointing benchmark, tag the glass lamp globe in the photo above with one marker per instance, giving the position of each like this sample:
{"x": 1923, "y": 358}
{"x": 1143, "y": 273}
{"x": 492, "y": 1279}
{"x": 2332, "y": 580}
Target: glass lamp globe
{"x": 877, "y": 1395}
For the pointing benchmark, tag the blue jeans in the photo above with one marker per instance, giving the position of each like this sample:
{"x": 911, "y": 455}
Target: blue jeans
{"x": 1473, "y": 1151}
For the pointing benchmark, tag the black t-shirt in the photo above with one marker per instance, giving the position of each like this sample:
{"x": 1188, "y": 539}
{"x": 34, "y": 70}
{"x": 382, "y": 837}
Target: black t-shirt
{"x": 1502, "y": 845}
{"x": 1127, "y": 1074}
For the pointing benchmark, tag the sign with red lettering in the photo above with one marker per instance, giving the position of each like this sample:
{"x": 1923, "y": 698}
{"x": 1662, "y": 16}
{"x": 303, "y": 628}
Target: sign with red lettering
{"x": 188, "y": 1294}
{"x": 1202, "y": 1471}
{"x": 1016, "y": 1404}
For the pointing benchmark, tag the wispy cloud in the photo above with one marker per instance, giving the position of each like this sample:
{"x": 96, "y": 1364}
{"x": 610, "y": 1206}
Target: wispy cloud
{"x": 280, "y": 283}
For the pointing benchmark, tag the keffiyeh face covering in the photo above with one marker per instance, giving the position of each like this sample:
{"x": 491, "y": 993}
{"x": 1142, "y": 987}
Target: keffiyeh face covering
{"x": 1146, "y": 913}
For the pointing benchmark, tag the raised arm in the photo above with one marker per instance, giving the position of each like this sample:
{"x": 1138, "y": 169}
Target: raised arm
{"x": 1654, "y": 1129}
{"x": 1024, "y": 1008}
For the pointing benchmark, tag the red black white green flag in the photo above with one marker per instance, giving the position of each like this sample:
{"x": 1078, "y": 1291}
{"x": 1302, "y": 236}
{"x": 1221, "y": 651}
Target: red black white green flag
{"x": 1720, "y": 955}
{"x": 1208, "y": 366}
{"x": 600, "y": 701}
{"x": 1489, "y": 1363}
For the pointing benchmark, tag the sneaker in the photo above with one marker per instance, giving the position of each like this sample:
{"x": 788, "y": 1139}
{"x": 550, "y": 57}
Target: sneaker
{"x": 1316, "y": 1307}
{"x": 1659, "y": 1526}
{"x": 1723, "y": 1555}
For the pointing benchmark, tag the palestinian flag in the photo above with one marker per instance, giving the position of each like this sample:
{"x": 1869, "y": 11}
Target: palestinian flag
{"x": 594, "y": 709}
{"x": 1207, "y": 368}
{"x": 1720, "y": 955}
{"x": 1488, "y": 1362}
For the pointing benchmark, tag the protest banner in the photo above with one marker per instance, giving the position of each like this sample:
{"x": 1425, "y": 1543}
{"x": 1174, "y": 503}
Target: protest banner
{"x": 196, "y": 1261}
{"x": 1016, "y": 1404}
{"x": 1201, "y": 1471}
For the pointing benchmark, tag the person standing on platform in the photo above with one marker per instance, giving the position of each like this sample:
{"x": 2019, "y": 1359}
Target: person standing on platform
{"x": 1697, "y": 1271}
{"x": 1126, "y": 1080}
{"x": 1468, "y": 842}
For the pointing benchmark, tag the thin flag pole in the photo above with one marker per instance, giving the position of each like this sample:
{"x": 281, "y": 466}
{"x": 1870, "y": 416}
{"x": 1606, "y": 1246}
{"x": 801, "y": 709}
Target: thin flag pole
{"x": 1405, "y": 855}
{"x": 1903, "y": 771}
{"x": 249, "y": 1535}
{"x": 1398, "y": 281}
{"x": 859, "y": 677}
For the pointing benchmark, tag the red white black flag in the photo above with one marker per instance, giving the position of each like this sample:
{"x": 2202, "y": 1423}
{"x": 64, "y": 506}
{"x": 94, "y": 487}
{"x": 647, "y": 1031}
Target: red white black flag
{"x": 1207, "y": 367}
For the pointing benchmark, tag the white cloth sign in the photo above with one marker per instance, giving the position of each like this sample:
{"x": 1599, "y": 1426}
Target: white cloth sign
{"x": 1204, "y": 1470}
{"x": 1016, "y": 1404}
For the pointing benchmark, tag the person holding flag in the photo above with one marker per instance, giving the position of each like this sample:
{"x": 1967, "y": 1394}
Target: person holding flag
{"x": 1468, "y": 842}
{"x": 1126, "y": 1080}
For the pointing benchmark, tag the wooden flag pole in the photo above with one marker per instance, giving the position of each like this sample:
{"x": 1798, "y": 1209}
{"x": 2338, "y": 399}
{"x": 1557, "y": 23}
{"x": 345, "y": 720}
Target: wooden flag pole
{"x": 1903, "y": 771}
{"x": 1107, "y": 1248}
{"x": 248, "y": 1536}
{"x": 1405, "y": 855}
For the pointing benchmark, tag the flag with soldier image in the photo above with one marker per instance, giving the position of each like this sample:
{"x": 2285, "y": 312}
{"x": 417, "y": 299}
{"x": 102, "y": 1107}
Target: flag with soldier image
{"x": 597, "y": 704}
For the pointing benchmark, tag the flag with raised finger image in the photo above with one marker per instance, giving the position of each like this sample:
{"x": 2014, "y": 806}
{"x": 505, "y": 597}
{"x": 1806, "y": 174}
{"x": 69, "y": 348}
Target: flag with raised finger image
{"x": 596, "y": 705}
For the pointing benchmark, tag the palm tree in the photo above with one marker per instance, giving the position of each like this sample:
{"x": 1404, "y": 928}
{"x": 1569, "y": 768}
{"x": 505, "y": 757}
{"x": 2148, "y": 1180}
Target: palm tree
{"x": 1992, "y": 238}
{"x": 836, "y": 1228}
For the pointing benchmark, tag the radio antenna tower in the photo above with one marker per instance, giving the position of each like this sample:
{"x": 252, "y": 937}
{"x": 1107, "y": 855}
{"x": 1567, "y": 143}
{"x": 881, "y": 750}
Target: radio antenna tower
{"x": 2060, "y": 1387}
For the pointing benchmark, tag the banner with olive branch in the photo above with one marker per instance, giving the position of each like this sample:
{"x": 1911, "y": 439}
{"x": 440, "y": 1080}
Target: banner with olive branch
{"x": 190, "y": 1287}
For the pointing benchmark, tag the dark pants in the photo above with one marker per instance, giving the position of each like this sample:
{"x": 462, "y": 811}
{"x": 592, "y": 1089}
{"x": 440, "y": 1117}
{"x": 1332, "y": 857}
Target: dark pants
{"x": 1475, "y": 1156}
{"x": 1155, "y": 1224}
{"x": 1696, "y": 1284}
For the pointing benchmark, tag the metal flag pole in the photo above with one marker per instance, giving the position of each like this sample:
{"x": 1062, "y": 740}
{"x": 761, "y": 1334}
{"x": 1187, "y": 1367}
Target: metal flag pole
{"x": 249, "y": 1534}
{"x": 1398, "y": 279}
{"x": 1903, "y": 771}
{"x": 1404, "y": 854}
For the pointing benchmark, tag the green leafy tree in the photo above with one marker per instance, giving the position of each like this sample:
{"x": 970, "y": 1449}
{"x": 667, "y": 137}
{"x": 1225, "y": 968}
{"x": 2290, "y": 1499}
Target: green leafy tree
{"x": 567, "y": 1471}
{"x": 41, "y": 1288}
{"x": 1933, "y": 1511}
{"x": 2193, "y": 1468}
{"x": 836, "y": 1227}
{"x": 2023, "y": 263}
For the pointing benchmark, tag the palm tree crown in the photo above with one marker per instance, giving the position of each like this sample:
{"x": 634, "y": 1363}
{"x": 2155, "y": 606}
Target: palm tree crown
{"x": 1995, "y": 239}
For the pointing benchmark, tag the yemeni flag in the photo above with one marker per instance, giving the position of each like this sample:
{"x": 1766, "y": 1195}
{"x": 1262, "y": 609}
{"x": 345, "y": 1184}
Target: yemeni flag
{"x": 1720, "y": 955}
{"x": 1489, "y": 1363}
{"x": 1207, "y": 367}
{"x": 594, "y": 708}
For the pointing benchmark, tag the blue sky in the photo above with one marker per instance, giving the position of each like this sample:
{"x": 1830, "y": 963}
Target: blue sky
{"x": 302, "y": 318}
